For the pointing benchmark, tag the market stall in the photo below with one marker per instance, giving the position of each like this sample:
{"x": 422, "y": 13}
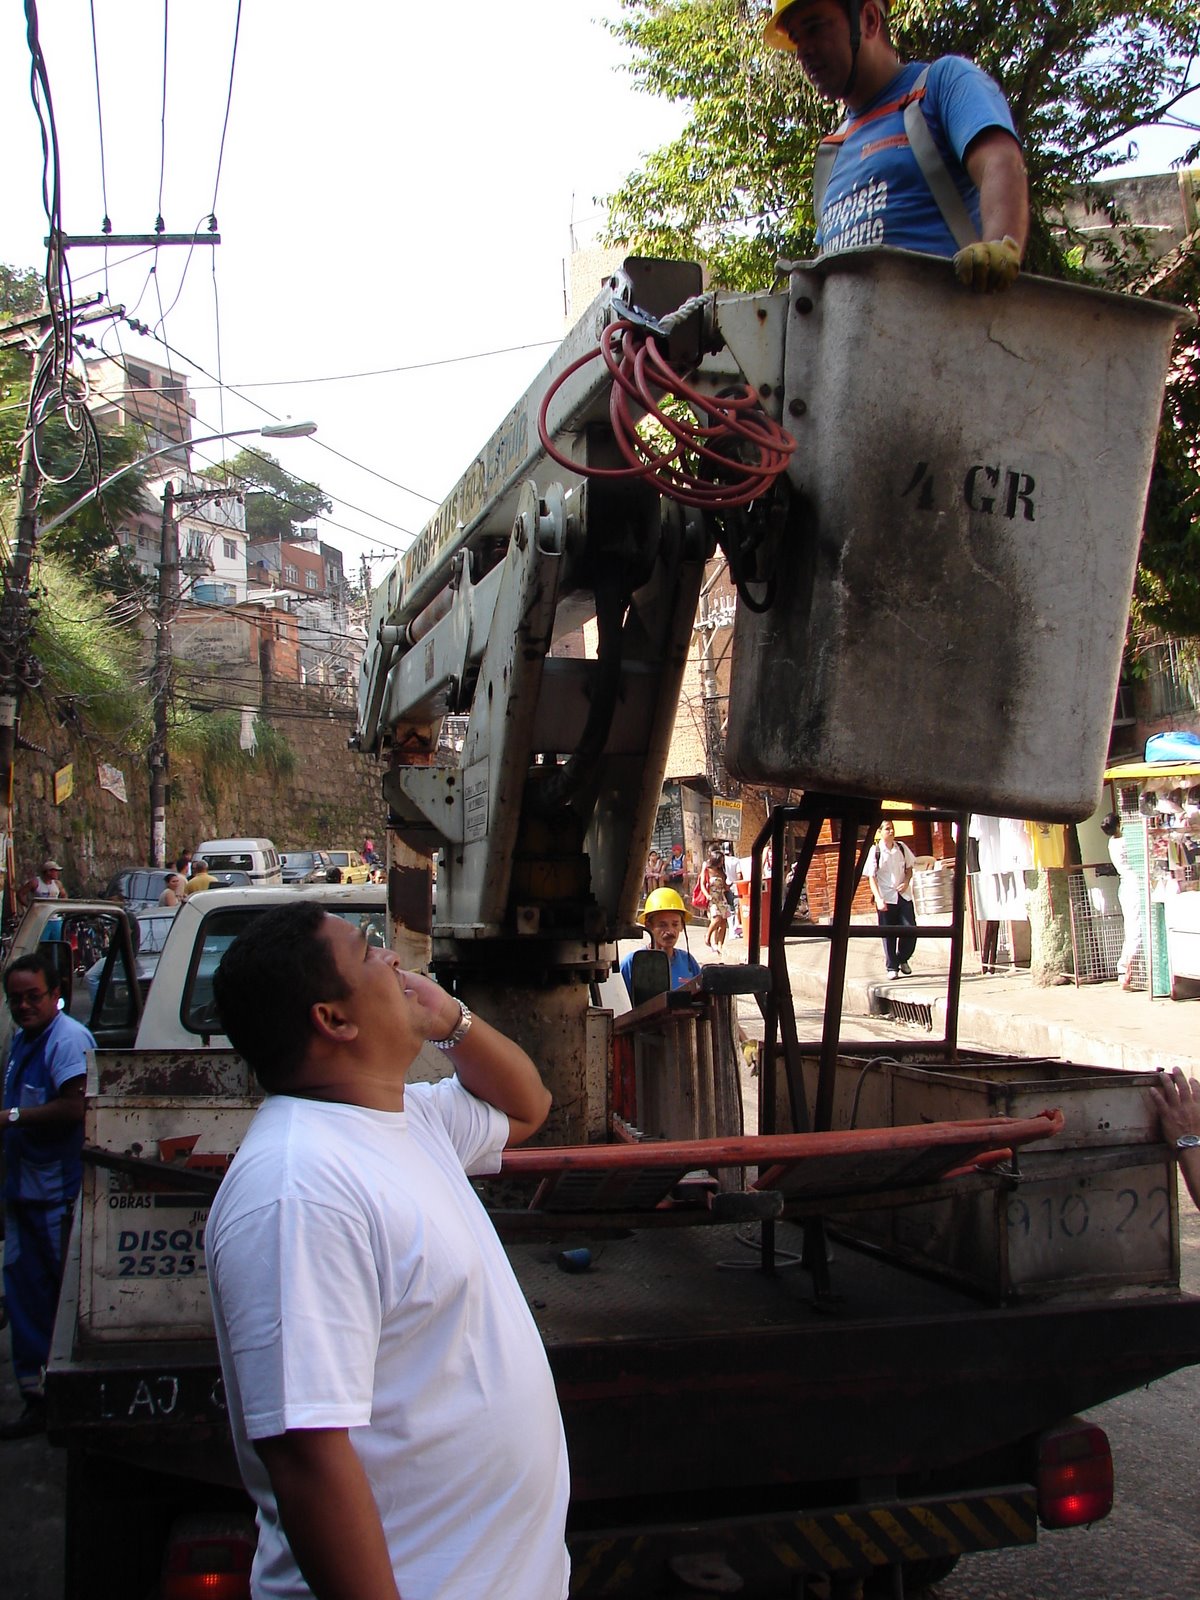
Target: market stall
{"x": 1159, "y": 806}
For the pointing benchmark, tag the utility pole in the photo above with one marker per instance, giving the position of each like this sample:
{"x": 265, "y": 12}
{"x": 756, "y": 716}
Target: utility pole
{"x": 33, "y": 333}
{"x": 168, "y": 608}
{"x": 16, "y": 623}
{"x": 168, "y": 603}
{"x": 712, "y": 617}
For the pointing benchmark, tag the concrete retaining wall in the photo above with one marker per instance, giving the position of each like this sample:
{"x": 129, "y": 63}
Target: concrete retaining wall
{"x": 332, "y": 799}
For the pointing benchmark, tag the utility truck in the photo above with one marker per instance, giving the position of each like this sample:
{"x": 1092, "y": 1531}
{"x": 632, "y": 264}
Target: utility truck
{"x": 852, "y": 1344}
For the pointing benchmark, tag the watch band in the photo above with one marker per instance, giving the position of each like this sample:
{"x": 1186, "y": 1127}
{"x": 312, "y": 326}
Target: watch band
{"x": 459, "y": 1033}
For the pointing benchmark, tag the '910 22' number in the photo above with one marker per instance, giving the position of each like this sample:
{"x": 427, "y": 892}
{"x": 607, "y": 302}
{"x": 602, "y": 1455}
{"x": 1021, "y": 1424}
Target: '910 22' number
{"x": 1070, "y": 1216}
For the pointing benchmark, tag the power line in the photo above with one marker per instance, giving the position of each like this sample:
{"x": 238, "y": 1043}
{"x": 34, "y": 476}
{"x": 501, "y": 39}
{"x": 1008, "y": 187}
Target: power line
{"x": 387, "y": 372}
{"x": 162, "y": 148}
{"x": 237, "y": 27}
{"x": 123, "y": 362}
{"x": 274, "y": 415}
{"x": 99, "y": 118}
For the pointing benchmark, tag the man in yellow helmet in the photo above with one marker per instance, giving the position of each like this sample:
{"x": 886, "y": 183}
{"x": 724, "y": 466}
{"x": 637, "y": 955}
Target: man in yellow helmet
{"x": 664, "y": 917}
{"x": 927, "y": 157}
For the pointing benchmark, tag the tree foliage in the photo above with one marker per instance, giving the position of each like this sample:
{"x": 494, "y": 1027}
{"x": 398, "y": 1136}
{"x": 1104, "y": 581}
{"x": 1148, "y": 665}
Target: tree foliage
{"x": 90, "y": 669}
{"x": 275, "y": 499}
{"x": 70, "y": 461}
{"x": 1166, "y": 597}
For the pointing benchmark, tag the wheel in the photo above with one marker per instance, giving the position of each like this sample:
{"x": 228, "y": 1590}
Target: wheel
{"x": 918, "y": 1577}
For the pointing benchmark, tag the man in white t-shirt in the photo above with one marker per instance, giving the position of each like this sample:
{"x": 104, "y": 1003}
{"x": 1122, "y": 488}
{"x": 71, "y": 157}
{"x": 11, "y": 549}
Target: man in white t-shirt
{"x": 392, "y": 1406}
{"x": 889, "y": 870}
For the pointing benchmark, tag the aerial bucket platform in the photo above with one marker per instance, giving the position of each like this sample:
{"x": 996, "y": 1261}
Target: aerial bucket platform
{"x": 953, "y": 584}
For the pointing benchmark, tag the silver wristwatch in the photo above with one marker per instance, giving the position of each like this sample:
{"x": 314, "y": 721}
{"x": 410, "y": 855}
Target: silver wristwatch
{"x": 462, "y": 1028}
{"x": 14, "y": 1114}
{"x": 1187, "y": 1141}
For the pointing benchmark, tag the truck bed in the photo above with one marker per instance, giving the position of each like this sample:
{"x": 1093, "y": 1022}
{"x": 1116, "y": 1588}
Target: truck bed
{"x": 667, "y": 1351}
{"x": 899, "y": 1369}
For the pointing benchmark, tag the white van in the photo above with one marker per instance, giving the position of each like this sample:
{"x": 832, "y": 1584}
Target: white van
{"x": 258, "y": 858}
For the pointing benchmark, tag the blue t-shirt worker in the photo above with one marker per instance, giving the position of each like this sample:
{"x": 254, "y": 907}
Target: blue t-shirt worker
{"x": 967, "y": 199}
{"x": 664, "y": 917}
{"x": 43, "y": 1138}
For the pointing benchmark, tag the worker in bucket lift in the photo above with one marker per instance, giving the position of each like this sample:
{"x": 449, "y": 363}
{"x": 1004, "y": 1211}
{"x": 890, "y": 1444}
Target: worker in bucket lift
{"x": 664, "y": 917}
{"x": 927, "y": 157}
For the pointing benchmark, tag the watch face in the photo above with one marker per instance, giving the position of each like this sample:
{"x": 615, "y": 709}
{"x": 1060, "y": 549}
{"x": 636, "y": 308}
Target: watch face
{"x": 1187, "y": 1141}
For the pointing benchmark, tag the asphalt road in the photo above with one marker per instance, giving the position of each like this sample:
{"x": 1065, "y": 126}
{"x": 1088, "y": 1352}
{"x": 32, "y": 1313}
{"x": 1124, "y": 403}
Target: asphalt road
{"x": 1148, "y": 1549}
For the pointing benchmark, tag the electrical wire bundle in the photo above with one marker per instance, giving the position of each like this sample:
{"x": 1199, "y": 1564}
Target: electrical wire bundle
{"x": 59, "y": 384}
{"x": 719, "y": 464}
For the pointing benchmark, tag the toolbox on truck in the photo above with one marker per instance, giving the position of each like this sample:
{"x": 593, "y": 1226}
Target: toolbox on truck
{"x": 1097, "y": 1211}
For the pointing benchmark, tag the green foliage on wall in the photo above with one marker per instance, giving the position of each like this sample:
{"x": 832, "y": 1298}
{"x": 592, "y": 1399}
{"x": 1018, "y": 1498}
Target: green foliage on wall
{"x": 90, "y": 674}
{"x": 214, "y": 740}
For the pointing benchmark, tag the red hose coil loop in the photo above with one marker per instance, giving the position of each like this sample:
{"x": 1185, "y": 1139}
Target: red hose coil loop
{"x": 638, "y": 367}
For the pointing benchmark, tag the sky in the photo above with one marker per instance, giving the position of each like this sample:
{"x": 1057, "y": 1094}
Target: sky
{"x": 399, "y": 186}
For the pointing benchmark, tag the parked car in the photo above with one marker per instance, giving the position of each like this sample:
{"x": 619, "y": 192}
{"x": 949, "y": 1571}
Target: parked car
{"x": 305, "y": 866}
{"x": 350, "y": 864}
{"x": 152, "y": 930}
{"x": 138, "y": 887}
{"x": 232, "y": 880}
{"x": 180, "y": 1012}
{"x": 258, "y": 857}
{"x": 77, "y": 933}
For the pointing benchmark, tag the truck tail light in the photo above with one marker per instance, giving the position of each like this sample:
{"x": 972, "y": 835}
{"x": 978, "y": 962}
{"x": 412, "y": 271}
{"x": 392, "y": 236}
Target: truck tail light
{"x": 1075, "y": 1475}
{"x": 208, "y": 1557}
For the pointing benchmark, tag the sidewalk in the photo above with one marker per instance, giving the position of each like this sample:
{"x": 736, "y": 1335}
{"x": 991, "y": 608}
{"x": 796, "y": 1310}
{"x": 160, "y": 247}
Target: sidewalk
{"x": 1095, "y": 1024}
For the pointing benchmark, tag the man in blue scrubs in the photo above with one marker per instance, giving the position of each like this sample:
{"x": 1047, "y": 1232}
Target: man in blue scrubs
{"x": 43, "y": 1137}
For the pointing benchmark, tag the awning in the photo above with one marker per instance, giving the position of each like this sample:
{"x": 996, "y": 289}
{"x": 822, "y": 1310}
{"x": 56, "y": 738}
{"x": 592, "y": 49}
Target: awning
{"x": 1153, "y": 769}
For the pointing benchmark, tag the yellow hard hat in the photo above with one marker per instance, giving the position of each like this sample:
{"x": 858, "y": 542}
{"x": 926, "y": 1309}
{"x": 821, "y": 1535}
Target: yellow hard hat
{"x": 774, "y": 35}
{"x": 661, "y": 900}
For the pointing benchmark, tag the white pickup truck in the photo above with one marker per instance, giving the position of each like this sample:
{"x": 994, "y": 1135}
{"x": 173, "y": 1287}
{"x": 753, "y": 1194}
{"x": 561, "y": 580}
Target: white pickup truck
{"x": 113, "y": 983}
{"x": 135, "y": 1395}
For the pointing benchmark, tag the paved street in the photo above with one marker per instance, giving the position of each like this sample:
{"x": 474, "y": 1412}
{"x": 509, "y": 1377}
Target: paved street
{"x": 1098, "y": 1024}
{"x": 1149, "y": 1547}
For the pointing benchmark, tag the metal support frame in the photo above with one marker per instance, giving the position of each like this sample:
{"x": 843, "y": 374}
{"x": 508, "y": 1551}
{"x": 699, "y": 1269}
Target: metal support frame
{"x": 858, "y": 818}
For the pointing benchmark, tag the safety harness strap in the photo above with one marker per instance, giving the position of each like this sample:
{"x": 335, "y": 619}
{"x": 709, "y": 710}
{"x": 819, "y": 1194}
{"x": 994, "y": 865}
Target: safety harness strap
{"x": 925, "y": 152}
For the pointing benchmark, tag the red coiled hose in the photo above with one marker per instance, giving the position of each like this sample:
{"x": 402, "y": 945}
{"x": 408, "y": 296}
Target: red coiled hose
{"x": 728, "y": 462}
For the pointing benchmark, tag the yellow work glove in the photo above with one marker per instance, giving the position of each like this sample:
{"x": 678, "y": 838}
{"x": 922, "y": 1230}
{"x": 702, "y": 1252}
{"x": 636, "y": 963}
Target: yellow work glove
{"x": 993, "y": 264}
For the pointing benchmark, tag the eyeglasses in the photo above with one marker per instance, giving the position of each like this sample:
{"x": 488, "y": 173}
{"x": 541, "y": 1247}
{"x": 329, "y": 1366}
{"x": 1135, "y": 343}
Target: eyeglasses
{"x": 16, "y": 1001}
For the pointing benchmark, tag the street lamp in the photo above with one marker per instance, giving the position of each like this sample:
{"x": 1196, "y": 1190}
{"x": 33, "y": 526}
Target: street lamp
{"x": 168, "y": 601}
{"x": 13, "y": 607}
{"x": 272, "y": 430}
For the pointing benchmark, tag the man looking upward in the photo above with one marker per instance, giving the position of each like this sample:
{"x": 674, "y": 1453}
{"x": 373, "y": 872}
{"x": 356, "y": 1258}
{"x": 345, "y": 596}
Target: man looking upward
{"x": 927, "y": 158}
{"x": 392, "y": 1407}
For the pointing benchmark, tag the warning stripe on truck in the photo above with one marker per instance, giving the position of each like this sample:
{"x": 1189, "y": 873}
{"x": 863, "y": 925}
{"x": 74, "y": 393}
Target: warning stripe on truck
{"x": 846, "y": 1539}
